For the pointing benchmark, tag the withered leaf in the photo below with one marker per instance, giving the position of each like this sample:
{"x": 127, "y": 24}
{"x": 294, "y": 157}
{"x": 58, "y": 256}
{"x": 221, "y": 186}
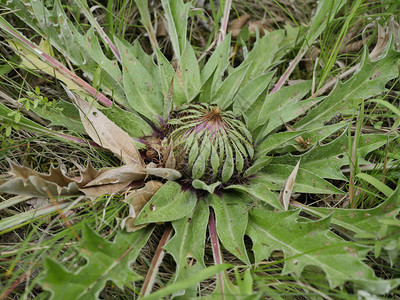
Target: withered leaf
{"x": 137, "y": 199}
{"x": 106, "y": 189}
{"x": 286, "y": 192}
{"x": 123, "y": 174}
{"x": 170, "y": 161}
{"x": 236, "y": 25}
{"x": 106, "y": 133}
{"x": 164, "y": 173}
{"x": 25, "y": 181}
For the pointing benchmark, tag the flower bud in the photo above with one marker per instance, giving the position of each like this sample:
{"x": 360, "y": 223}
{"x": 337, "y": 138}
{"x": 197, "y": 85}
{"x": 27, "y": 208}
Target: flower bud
{"x": 209, "y": 144}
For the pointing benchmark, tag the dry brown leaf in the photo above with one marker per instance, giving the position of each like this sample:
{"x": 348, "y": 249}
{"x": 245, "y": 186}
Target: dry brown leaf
{"x": 165, "y": 173}
{"x": 137, "y": 199}
{"x": 178, "y": 75}
{"x": 89, "y": 174}
{"x": 236, "y": 25}
{"x": 106, "y": 189}
{"x": 260, "y": 26}
{"x": 162, "y": 29}
{"x": 106, "y": 133}
{"x": 123, "y": 174}
{"x": 169, "y": 157}
{"x": 93, "y": 183}
{"x": 25, "y": 181}
{"x": 286, "y": 192}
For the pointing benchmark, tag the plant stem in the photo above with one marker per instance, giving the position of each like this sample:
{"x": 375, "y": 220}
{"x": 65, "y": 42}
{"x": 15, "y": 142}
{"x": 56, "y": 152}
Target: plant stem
{"x": 218, "y": 259}
{"x": 155, "y": 263}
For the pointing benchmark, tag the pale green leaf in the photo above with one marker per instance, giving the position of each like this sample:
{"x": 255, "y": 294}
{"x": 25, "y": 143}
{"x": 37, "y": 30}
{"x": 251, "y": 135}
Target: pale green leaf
{"x": 227, "y": 90}
{"x": 192, "y": 280}
{"x": 326, "y": 160}
{"x": 275, "y": 141}
{"x": 142, "y": 91}
{"x": 246, "y": 95}
{"x": 285, "y": 114}
{"x": 168, "y": 204}
{"x": 190, "y": 74}
{"x": 275, "y": 106}
{"x": 231, "y": 221}
{"x": 370, "y": 80}
{"x": 306, "y": 181}
{"x": 187, "y": 245}
{"x": 266, "y": 50}
{"x": 310, "y": 243}
{"x": 215, "y": 67}
{"x": 176, "y": 13}
{"x": 201, "y": 185}
{"x": 105, "y": 261}
{"x": 259, "y": 189}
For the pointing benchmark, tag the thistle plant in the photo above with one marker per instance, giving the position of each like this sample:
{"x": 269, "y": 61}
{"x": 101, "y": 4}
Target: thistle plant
{"x": 204, "y": 149}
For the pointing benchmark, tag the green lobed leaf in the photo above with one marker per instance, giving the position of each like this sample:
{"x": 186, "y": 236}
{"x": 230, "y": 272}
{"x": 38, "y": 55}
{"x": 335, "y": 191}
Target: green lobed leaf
{"x": 249, "y": 93}
{"x": 214, "y": 69}
{"x": 370, "y": 80}
{"x": 168, "y": 204}
{"x": 306, "y": 181}
{"x": 284, "y": 106}
{"x": 183, "y": 284}
{"x": 313, "y": 137}
{"x": 259, "y": 189}
{"x": 311, "y": 243}
{"x": 187, "y": 245}
{"x": 265, "y": 52}
{"x": 276, "y": 140}
{"x": 231, "y": 221}
{"x": 360, "y": 221}
{"x": 83, "y": 50}
{"x": 142, "y": 91}
{"x": 326, "y": 160}
{"x": 273, "y": 107}
{"x": 227, "y": 90}
{"x": 105, "y": 261}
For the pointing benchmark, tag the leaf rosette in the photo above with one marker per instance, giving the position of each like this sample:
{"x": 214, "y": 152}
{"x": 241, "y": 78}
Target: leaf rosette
{"x": 220, "y": 130}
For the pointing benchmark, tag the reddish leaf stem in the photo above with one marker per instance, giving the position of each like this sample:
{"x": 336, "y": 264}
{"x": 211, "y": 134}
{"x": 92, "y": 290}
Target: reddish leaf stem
{"x": 14, "y": 285}
{"x": 224, "y": 22}
{"x": 218, "y": 259}
{"x": 101, "y": 98}
{"x": 155, "y": 263}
